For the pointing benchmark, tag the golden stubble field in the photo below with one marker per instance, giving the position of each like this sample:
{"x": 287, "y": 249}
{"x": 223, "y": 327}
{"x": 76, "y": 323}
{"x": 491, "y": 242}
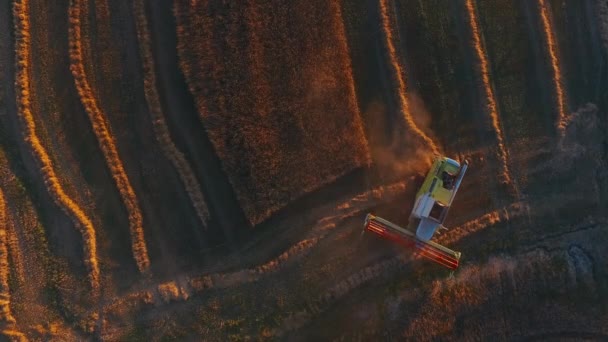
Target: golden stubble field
{"x": 200, "y": 169}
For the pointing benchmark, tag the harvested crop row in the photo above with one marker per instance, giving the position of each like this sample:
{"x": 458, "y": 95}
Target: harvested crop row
{"x": 105, "y": 138}
{"x": 555, "y": 66}
{"x": 161, "y": 130}
{"x": 487, "y": 87}
{"x": 399, "y": 76}
{"x": 51, "y": 181}
{"x": 5, "y": 309}
{"x": 304, "y": 131}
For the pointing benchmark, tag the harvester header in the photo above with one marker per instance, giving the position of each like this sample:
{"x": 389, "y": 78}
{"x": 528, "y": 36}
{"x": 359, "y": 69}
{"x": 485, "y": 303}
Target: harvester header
{"x": 431, "y": 207}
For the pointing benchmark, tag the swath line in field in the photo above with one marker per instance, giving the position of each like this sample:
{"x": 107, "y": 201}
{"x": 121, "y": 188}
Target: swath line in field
{"x": 555, "y": 66}
{"x": 487, "y": 87}
{"x": 6, "y": 317}
{"x": 104, "y": 137}
{"x": 51, "y": 181}
{"x": 398, "y": 74}
{"x": 161, "y": 130}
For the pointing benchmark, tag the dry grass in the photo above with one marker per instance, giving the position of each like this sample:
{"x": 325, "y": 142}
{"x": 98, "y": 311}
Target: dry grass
{"x": 105, "y": 138}
{"x": 51, "y": 181}
{"x": 161, "y": 130}
{"x": 492, "y": 107}
{"x": 304, "y": 129}
{"x": 555, "y": 66}
{"x": 398, "y": 74}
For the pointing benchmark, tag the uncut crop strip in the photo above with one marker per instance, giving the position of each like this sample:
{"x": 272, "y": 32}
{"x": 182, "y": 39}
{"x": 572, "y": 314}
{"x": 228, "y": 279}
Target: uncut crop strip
{"x": 555, "y": 66}
{"x": 399, "y": 75}
{"x": 487, "y": 87}
{"x": 105, "y": 138}
{"x": 51, "y": 181}
{"x": 159, "y": 124}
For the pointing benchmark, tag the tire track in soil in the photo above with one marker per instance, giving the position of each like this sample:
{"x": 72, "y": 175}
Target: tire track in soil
{"x": 499, "y": 271}
{"x": 55, "y": 189}
{"x": 161, "y": 129}
{"x": 173, "y": 233}
{"x": 384, "y": 267}
{"x": 337, "y": 292}
{"x": 406, "y": 117}
{"x": 184, "y": 287}
{"x": 105, "y": 138}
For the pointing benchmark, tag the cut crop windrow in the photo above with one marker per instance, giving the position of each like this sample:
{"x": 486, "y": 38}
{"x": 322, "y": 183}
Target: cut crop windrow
{"x": 105, "y": 138}
{"x": 159, "y": 124}
{"x": 24, "y": 109}
{"x": 487, "y": 87}
{"x": 399, "y": 75}
{"x": 555, "y": 66}
{"x": 5, "y": 308}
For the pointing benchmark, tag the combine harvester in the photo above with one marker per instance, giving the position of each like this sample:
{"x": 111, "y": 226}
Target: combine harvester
{"x": 433, "y": 201}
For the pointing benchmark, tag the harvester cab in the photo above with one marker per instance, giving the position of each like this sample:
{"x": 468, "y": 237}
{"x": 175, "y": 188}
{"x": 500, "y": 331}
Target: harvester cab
{"x": 431, "y": 207}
